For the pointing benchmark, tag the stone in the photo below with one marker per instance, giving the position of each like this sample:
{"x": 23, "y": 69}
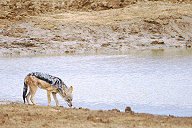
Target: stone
{"x": 128, "y": 109}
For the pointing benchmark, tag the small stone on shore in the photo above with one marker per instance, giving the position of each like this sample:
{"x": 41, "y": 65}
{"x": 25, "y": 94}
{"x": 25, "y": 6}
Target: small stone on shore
{"x": 128, "y": 109}
{"x": 157, "y": 42}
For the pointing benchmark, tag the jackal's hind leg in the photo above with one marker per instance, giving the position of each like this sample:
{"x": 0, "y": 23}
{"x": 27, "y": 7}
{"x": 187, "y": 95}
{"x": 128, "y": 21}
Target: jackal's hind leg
{"x": 55, "y": 98}
{"x": 27, "y": 97}
{"x": 33, "y": 91}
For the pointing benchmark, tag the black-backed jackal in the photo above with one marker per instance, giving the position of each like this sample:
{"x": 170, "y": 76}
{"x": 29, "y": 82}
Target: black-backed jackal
{"x": 52, "y": 84}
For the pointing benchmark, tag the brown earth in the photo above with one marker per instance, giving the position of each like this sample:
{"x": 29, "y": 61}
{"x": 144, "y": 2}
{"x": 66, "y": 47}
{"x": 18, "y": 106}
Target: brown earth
{"x": 21, "y": 116}
{"x": 58, "y": 27}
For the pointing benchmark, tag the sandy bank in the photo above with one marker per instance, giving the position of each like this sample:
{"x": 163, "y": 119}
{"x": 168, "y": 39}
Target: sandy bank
{"x": 142, "y": 25}
{"x": 20, "y": 115}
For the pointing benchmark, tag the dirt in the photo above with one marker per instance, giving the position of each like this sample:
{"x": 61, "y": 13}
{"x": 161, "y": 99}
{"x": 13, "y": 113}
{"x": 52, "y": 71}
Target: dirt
{"x": 59, "y": 27}
{"x": 21, "y": 115}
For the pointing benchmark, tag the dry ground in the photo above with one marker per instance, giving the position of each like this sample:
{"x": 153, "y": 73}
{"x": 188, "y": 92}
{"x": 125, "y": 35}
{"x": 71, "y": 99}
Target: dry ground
{"x": 20, "y": 115}
{"x": 79, "y": 28}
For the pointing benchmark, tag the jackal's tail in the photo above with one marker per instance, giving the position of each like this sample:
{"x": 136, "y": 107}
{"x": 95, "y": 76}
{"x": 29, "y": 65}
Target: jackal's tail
{"x": 24, "y": 91}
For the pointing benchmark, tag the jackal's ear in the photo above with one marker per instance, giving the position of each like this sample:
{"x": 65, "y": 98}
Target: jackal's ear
{"x": 65, "y": 90}
{"x": 71, "y": 89}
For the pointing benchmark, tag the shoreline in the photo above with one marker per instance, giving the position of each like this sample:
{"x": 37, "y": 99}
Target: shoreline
{"x": 9, "y": 102}
{"x": 169, "y": 52}
{"x": 42, "y": 116}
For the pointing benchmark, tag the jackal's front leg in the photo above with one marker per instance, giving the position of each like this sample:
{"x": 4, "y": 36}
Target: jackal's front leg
{"x": 49, "y": 97}
{"x": 55, "y": 98}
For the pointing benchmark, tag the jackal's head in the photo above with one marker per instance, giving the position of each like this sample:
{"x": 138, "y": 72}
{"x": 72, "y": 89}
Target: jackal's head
{"x": 68, "y": 96}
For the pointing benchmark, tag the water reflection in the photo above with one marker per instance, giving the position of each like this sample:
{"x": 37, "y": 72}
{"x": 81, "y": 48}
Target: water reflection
{"x": 157, "y": 52}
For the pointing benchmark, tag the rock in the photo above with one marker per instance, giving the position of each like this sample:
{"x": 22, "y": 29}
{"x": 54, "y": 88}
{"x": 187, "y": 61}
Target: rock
{"x": 128, "y": 109}
{"x": 105, "y": 44}
{"x": 114, "y": 110}
{"x": 157, "y": 42}
{"x": 152, "y": 22}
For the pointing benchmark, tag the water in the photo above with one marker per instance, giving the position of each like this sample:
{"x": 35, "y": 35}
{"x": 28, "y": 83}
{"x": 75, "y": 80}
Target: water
{"x": 150, "y": 81}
